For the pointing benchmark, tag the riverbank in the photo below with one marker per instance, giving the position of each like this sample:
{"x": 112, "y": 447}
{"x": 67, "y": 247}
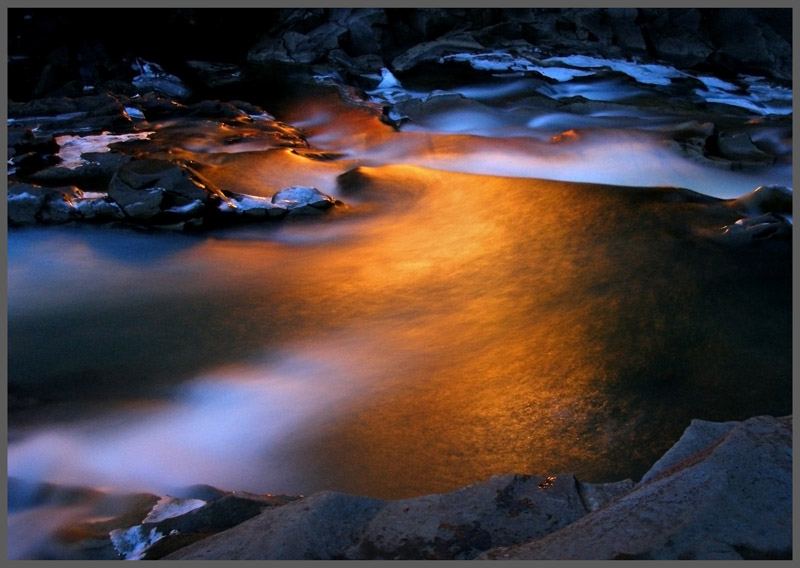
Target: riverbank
{"x": 723, "y": 491}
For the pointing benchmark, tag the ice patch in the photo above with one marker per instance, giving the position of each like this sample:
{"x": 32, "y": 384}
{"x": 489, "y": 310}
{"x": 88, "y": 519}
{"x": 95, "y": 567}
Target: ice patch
{"x": 71, "y": 147}
{"x": 714, "y": 83}
{"x": 607, "y": 90}
{"x": 134, "y": 113}
{"x": 57, "y": 118}
{"x": 505, "y": 62}
{"x": 388, "y": 80}
{"x": 648, "y": 73}
{"x": 195, "y": 205}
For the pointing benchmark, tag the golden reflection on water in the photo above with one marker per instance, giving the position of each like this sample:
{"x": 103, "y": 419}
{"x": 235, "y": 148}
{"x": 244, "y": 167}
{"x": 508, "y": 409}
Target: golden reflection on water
{"x": 497, "y": 325}
{"x": 475, "y": 325}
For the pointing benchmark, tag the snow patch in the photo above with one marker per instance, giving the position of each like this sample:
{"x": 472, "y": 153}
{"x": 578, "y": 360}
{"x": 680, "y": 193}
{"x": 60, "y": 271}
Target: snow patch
{"x": 71, "y": 147}
{"x": 168, "y": 507}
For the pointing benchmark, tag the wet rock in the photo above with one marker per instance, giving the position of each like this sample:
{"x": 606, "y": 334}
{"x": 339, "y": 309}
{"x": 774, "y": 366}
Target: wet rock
{"x": 152, "y": 77}
{"x": 23, "y": 206}
{"x": 724, "y": 491}
{"x": 134, "y": 179}
{"x": 93, "y": 113}
{"x": 765, "y": 199}
{"x": 214, "y": 75}
{"x": 762, "y": 227}
{"x": 97, "y": 169}
{"x": 29, "y": 204}
{"x": 739, "y": 147}
{"x": 99, "y": 209}
{"x": 216, "y": 110}
{"x": 299, "y": 200}
{"x": 252, "y": 207}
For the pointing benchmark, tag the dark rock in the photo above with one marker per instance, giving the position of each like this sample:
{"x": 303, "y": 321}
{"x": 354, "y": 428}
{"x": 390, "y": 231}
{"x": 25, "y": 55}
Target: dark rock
{"x": 101, "y": 209}
{"x": 214, "y": 75}
{"x": 294, "y": 47}
{"x": 83, "y": 113}
{"x": 366, "y": 29}
{"x": 749, "y": 44}
{"x": 31, "y": 204}
{"x": 759, "y": 228}
{"x": 739, "y": 147}
{"x": 300, "y": 200}
{"x": 456, "y": 42}
{"x": 462, "y": 523}
{"x": 152, "y": 77}
{"x": 319, "y": 527}
{"x": 98, "y": 169}
{"x": 625, "y": 32}
{"x": 765, "y": 199}
{"x": 597, "y": 495}
{"x": 721, "y": 491}
{"x": 676, "y": 36}
{"x": 356, "y": 66}
{"x": 215, "y": 109}
{"x": 161, "y": 174}
{"x": 24, "y": 207}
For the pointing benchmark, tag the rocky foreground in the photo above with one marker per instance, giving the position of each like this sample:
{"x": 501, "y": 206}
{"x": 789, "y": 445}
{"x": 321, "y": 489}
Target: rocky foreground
{"x": 723, "y": 491}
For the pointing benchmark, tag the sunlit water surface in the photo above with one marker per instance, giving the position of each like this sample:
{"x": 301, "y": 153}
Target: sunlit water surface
{"x": 443, "y": 328}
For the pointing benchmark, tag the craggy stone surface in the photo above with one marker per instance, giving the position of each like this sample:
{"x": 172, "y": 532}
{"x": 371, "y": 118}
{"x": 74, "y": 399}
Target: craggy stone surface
{"x": 723, "y": 492}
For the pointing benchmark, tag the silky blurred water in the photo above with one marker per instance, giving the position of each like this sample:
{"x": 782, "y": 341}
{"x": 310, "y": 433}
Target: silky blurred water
{"x": 460, "y": 319}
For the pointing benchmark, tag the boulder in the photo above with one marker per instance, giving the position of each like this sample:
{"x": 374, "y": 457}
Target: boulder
{"x": 152, "y": 77}
{"x": 764, "y": 199}
{"x": 676, "y": 35}
{"x": 319, "y": 527}
{"x": 723, "y": 492}
{"x": 96, "y": 168}
{"x": 455, "y": 525}
{"x": 462, "y": 523}
{"x": 24, "y": 203}
{"x": 456, "y": 42}
{"x": 750, "y": 41}
{"x": 144, "y": 187}
{"x": 738, "y": 147}
{"x": 299, "y": 200}
{"x": 29, "y": 204}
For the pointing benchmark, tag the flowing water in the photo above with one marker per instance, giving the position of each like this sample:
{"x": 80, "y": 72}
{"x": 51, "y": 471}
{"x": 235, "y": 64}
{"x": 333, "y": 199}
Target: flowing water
{"x": 465, "y": 316}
